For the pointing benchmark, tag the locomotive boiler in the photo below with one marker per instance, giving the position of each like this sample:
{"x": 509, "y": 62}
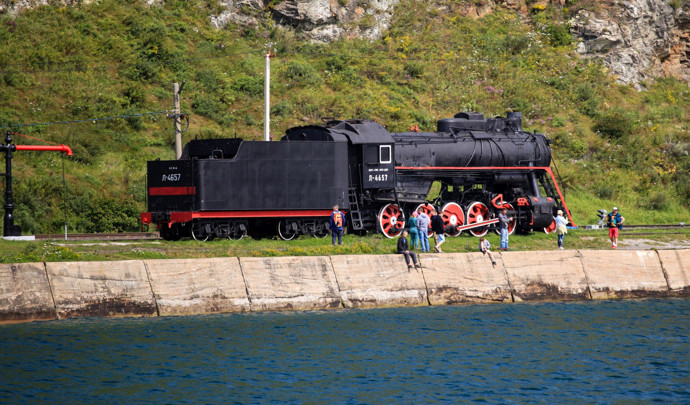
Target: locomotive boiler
{"x": 468, "y": 170}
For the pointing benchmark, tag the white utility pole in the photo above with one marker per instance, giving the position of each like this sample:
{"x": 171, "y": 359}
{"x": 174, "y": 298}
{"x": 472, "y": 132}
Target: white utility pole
{"x": 178, "y": 127}
{"x": 267, "y": 97}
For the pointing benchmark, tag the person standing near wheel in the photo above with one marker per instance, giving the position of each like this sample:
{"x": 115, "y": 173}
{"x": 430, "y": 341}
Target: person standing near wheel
{"x": 336, "y": 224}
{"x": 414, "y": 233}
{"x": 438, "y": 227}
{"x": 561, "y": 228}
{"x": 423, "y": 229}
{"x": 503, "y": 223}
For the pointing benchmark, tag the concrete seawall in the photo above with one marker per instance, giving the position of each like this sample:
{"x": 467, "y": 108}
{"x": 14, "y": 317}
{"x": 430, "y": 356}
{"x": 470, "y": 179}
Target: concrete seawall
{"x": 39, "y": 291}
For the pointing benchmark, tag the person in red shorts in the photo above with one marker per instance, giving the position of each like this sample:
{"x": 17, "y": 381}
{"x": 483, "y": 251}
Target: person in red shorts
{"x": 615, "y": 222}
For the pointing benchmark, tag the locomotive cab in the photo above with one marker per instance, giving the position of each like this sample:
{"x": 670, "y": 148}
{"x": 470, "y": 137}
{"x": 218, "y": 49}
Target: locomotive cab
{"x": 371, "y": 153}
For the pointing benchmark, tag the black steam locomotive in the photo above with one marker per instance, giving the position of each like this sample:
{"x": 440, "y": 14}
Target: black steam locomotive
{"x": 229, "y": 188}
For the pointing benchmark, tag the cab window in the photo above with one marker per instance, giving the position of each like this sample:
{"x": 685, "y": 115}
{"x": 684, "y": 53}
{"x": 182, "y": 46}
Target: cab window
{"x": 385, "y": 155}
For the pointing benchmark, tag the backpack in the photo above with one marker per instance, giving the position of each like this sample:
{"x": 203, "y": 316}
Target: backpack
{"x": 338, "y": 219}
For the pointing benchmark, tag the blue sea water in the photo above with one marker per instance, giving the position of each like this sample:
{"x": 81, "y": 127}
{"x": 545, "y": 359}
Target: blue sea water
{"x": 634, "y": 351}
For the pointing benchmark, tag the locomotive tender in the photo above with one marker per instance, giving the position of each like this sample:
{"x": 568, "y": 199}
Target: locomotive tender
{"x": 230, "y": 188}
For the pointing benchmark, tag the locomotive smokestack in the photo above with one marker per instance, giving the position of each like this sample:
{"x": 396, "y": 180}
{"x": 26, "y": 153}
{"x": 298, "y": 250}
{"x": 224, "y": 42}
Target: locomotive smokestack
{"x": 515, "y": 119}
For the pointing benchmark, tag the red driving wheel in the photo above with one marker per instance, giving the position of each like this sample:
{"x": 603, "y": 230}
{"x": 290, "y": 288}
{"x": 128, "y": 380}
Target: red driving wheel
{"x": 551, "y": 228}
{"x": 425, "y": 207}
{"x": 452, "y": 215}
{"x": 391, "y": 220}
{"x": 477, "y": 212}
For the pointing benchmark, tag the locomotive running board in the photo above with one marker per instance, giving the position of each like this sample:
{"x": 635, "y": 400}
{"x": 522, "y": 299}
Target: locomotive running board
{"x": 477, "y": 225}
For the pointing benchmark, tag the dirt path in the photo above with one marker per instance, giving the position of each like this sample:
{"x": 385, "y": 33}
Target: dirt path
{"x": 642, "y": 244}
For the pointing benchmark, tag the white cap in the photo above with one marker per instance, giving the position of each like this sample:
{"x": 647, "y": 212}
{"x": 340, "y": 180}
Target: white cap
{"x": 615, "y": 208}
{"x": 559, "y": 212}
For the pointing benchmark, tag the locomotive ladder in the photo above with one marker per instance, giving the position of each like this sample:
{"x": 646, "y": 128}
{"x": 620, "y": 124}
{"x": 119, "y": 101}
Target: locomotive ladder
{"x": 549, "y": 188}
{"x": 355, "y": 213}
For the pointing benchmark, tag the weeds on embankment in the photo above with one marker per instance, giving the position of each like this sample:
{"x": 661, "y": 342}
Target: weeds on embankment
{"x": 56, "y": 251}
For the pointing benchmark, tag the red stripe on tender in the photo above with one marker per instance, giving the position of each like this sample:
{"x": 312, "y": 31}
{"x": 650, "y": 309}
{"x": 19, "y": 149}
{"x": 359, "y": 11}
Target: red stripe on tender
{"x": 186, "y": 216}
{"x": 184, "y": 190}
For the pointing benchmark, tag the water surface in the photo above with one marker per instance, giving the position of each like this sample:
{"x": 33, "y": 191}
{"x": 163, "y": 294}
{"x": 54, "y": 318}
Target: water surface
{"x": 634, "y": 351}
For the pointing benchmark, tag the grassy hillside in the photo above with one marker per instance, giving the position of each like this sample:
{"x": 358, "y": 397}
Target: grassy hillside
{"x": 612, "y": 144}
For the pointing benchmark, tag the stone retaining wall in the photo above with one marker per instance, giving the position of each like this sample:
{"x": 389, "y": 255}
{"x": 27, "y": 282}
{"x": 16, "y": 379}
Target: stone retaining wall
{"x": 35, "y": 291}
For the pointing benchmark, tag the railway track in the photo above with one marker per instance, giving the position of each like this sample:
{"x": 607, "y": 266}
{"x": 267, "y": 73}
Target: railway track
{"x": 101, "y": 236}
{"x": 633, "y": 227}
{"x": 155, "y": 235}
{"x": 672, "y": 226}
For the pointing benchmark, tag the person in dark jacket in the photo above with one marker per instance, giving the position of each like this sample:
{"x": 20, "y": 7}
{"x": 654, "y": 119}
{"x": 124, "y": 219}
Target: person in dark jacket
{"x": 414, "y": 233}
{"x": 503, "y": 224}
{"x": 404, "y": 249}
{"x": 438, "y": 228}
{"x": 337, "y": 223}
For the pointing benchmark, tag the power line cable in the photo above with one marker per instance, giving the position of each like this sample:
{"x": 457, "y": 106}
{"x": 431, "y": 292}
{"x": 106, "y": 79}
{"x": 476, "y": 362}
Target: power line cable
{"x": 349, "y": 56}
{"x": 87, "y": 120}
{"x": 34, "y": 138}
{"x": 193, "y": 59}
{"x": 118, "y": 66}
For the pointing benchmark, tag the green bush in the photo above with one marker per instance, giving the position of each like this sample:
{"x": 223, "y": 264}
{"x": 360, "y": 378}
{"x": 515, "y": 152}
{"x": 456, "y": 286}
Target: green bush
{"x": 302, "y": 73}
{"x": 605, "y": 189}
{"x": 142, "y": 70}
{"x": 615, "y": 123}
{"x": 516, "y": 43}
{"x": 113, "y": 215}
{"x": 559, "y": 34}
{"x": 251, "y": 86}
{"x": 281, "y": 109}
{"x": 210, "y": 80}
{"x": 658, "y": 201}
{"x": 422, "y": 119}
{"x": 135, "y": 95}
{"x": 521, "y": 105}
{"x": 414, "y": 69}
{"x": 588, "y": 100}
{"x": 207, "y": 106}
{"x": 558, "y": 122}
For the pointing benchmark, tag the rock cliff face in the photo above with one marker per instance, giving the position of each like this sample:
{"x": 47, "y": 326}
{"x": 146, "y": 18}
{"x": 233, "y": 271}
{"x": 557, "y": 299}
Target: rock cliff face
{"x": 636, "y": 39}
{"x": 13, "y": 7}
{"x": 316, "y": 20}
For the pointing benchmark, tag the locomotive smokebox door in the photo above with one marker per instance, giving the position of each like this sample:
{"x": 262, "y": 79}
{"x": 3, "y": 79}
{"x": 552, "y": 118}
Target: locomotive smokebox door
{"x": 378, "y": 167}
